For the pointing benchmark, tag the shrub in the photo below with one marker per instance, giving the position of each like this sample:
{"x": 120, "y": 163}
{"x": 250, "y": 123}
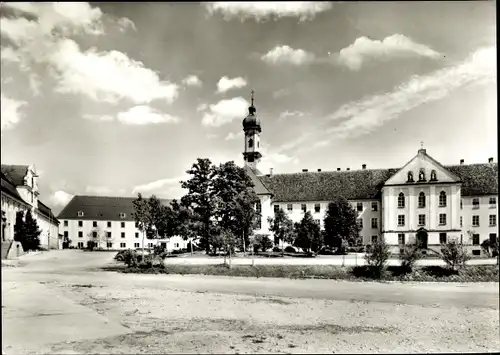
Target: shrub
{"x": 410, "y": 255}
{"x": 325, "y": 251}
{"x": 276, "y": 250}
{"x": 131, "y": 258}
{"x": 490, "y": 248}
{"x": 151, "y": 261}
{"x": 290, "y": 249}
{"x": 376, "y": 260}
{"x": 262, "y": 242}
{"x": 454, "y": 254}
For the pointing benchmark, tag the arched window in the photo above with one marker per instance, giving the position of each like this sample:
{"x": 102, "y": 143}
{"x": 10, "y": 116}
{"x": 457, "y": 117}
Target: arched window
{"x": 250, "y": 143}
{"x": 410, "y": 176}
{"x": 433, "y": 175}
{"x": 421, "y": 200}
{"x": 401, "y": 200}
{"x": 421, "y": 175}
{"x": 442, "y": 199}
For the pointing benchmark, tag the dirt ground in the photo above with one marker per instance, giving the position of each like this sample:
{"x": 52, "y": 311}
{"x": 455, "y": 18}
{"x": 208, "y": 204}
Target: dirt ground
{"x": 169, "y": 320}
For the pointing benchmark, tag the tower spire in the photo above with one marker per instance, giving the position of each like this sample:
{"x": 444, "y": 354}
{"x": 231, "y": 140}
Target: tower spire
{"x": 252, "y": 108}
{"x": 253, "y": 92}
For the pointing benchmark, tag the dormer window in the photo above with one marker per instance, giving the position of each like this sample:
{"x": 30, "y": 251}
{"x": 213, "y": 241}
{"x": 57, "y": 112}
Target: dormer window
{"x": 410, "y": 176}
{"x": 80, "y": 213}
{"x": 122, "y": 215}
{"x": 421, "y": 175}
{"x": 433, "y": 175}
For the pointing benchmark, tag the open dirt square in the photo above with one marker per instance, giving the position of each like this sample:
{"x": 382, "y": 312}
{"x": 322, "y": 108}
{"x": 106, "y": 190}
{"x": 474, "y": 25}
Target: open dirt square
{"x": 60, "y": 303}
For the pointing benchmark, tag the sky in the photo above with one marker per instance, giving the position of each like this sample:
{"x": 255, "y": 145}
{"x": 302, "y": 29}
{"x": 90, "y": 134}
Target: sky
{"x": 118, "y": 98}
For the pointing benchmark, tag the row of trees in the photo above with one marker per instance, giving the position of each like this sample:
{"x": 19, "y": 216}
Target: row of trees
{"x": 26, "y": 231}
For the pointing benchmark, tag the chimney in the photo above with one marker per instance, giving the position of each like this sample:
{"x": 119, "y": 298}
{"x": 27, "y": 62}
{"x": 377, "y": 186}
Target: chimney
{"x": 363, "y": 166}
{"x": 271, "y": 171}
{"x": 338, "y": 169}
{"x": 461, "y": 162}
{"x": 348, "y": 169}
{"x": 319, "y": 170}
{"x": 490, "y": 160}
{"x": 304, "y": 170}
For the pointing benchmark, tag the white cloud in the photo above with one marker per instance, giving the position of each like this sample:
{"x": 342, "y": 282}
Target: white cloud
{"x": 7, "y": 54}
{"x": 98, "y": 190}
{"x": 363, "y": 116}
{"x": 192, "y": 80}
{"x": 262, "y": 10}
{"x": 60, "y": 198}
{"x": 272, "y": 158}
{"x": 201, "y": 107}
{"x": 225, "y": 111}
{"x": 365, "y": 48}
{"x": 287, "y": 55}
{"x": 142, "y": 115}
{"x": 10, "y": 111}
{"x": 289, "y": 114}
{"x": 232, "y": 136}
{"x": 226, "y": 84}
{"x": 95, "y": 117}
{"x": 165, "y": 188}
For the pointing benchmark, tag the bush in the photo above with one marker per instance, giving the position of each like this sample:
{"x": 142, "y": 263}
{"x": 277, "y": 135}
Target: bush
{"x": 376, "y": 259}
{"x": 490, "y": 248}
{"x": 151, "y": 261}
{"x": 454, "y": 254}
{"x": 262, "y": 242}
{"x": 325, "y": 251}
{"x": 131, "y": 258}
{"x": 276, "y": 250}
{"x": 410, "y": 255}
{"x": 290, "y": 249}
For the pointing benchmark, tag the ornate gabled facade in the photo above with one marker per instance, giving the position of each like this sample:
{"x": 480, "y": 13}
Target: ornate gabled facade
{"x": 19, "y": 192}
{"x": 423, "y": 202}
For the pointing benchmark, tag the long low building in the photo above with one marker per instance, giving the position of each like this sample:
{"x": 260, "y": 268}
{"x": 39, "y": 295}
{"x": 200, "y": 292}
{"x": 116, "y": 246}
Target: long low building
{"x": 110, "y": 222}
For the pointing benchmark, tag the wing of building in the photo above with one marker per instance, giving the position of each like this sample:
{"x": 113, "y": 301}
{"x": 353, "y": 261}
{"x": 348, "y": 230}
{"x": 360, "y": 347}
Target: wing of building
{"x": 422, "y": 201}
{"x": 19, "y": 192}
{"x": 108, "y": 221}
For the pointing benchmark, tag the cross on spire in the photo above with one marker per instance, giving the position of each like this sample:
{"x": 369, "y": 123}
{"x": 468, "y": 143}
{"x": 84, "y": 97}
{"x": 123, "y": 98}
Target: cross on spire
{"x": 252, "y": 96}
{"x": 421, "y": 144}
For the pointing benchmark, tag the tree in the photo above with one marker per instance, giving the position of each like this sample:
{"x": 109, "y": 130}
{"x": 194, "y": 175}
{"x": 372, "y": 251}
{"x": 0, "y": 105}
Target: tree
{"x": 96, "y": 236}
{"x": 410, "y": 255}
{"x": 161, "y": 218}
{"x": 199, "y": 198}
{"x": 282, "y": 227}
{"x": 32, "y": 233}
{"x": 19, "y": 227}
{"x": 341, "y": 224}
{"x": 262, "y": 242}
{"x": 454, "y": 254}
{"x": 142, "y": 217}
{"x": 377, "y": 258}
{"x": 308, "y": 236}
{"x": 184, "y": 223}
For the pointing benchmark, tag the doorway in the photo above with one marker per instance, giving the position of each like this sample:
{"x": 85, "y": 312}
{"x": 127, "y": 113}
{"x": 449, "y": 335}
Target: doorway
{"x": 422, "y": 239}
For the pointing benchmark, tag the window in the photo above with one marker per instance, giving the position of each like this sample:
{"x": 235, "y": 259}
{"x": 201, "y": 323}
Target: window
{"x": 123, "y": 235}
{"x": 250, "y": 143}
{"x": 109, "y": 244}
{"x": 289, "y": 207}
{"x": 475, "y": 239}
{"x": 80, "y": 234}
{"x": 421, "y": 175}
{"x": 80, "y": 244}
{"x": 374, "y": 223}
{"x": 276, "y": 208}
{"x": 475, "y": 221}
{"x": 461, "y": 204}
{"x": 475, "y": 203}
{"x": 150, "y": 245}
{"x": 65, "y": 234}
{"x": 421, "y": 200}
{"x": 136, "y": 225}
{"x": 318, "y": 222}
{"x": 94, "y": 235}
{"x": 442, "y": 219}
{"x": 401, "y": 239}
{"x": 442, "y": 238}
{"x": 136, "y": 245}
{"x": 493, "y": 202}
{"x": 410, "y": 176}
{"x": 493, "y": 220}
{"x": 123, "y": 245}
{"x": 360, "y": 223}
{"x": 80, "y": 213}
{"x": 433, "y": 175}
{"x": 442, "y": 199}
{"x": 108, "y": 234}
{"x": 421, "y": 219}
{"x": 136, "y": 235}
{"x": 80, "y": 224}
{"x": 401, "y": 200}
{"x": 461, "y": 221}
{"x": 65, "y": 223}
{"x": 303, "y": 207}
{"x": 94, "y": 224}
{"x": 374, "y": 238}
{"x": 401, "y": 220}
{"x": 493, "y": 238}
{"x": 122, "y": 215}
{"x": 359, "y": 206}
{"x": 109, "y": 224}
{"x": 122, "y": 224}
{"x": 317, "y": 208}
{"x": 476, "y": 252}
{"x": 176, "y": 245}
{"x": 374, "y": 206}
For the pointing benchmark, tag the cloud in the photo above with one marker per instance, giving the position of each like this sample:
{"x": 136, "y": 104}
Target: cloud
{"x": 226, "y": 84}
{"x": 166, "y": 188}
{"x": 98, "y": 190}
{"x": 263, "y": 10}
{"x": 60, "y": 198}
{"x": 201, "y": 107}
{"x": 365, "y": 48}
{"x": 232, "y": 136}
{"x": 363, "y": 116}
{"x": 225, "y": 111}
{"x": 95, "y": 117}
{"x": 287, "y": 55}
{"x": 10, "y": 109}
{"x": 281, "y": 93}
{"x": 291, "y": 114}
{"x": 142, "y": 115}
{"x": 192, "y": 80}
{"x": 273, "y": 158}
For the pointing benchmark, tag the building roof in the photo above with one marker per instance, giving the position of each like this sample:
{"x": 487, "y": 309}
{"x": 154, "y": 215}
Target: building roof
{"x": 259, "y": 187}
{"x": 47, "y": 212}
{"x": 15, "y": 173}
{"x": 9, "y": 188}
{"x": 99, "y": 208}
{"x": 477, "y": 179}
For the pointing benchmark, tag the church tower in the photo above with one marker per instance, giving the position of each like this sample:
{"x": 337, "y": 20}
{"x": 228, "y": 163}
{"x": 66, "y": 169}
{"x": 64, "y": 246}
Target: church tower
{"x": 251, "y": 127}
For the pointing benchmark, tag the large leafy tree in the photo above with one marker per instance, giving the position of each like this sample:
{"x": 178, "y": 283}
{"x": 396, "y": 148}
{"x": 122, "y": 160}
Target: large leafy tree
{"x": 142, "y": 217}
{"x": 184, "y": 223}
{"x": 282, "y": 227}
{"x": 307, "y": 234}
{"x": 32, "y": 233}
{"x": 341, "y": 224}
{"x": 161, "y": 218}
{"x": 19, "y": 227}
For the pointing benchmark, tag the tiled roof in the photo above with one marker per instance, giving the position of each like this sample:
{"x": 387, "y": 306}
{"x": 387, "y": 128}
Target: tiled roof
{"x": 47, "y": 212}
{"x": 99, "y": 208}
{"x": 9, "y": 188}
{"x": 259, "y": 187}
{"x": 15, "y": 173}
{"x": 477, "y": 179}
